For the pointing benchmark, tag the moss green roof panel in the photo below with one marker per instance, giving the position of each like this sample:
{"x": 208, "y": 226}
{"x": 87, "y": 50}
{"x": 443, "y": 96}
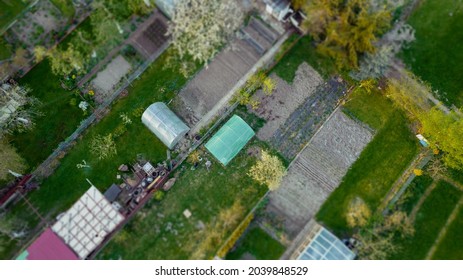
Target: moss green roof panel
{"x": 230, "y": 139}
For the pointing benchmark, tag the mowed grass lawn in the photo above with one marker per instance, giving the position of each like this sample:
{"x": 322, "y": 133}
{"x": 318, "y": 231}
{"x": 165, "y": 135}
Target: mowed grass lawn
{"x": 5, "y": 49}
{"x": 451, "y": 247}
{"x": 161, "y": 231}
{"x": 430, "y": 219}
{"x": 414, "y": 192}
{"x": 259, "y": 244}
{"x": 302, "y": 51}
{"x": 9, "y": 9}
{"x": 65, "y": 6}
{"x": 437, "y": 53}
{"x": 379, "y": 165}
{"x": 59, "y": 191}
{"x": 58, "y": 117}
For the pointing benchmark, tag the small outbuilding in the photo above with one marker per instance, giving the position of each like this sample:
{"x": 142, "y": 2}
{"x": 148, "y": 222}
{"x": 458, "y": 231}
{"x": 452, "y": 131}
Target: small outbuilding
{"x": 48, "y": 247}
{"x": 167, "y": 126}
{"x": 278, "y": 8}
{"x": 230, "y": 139}
{"x": 321, "y": 244}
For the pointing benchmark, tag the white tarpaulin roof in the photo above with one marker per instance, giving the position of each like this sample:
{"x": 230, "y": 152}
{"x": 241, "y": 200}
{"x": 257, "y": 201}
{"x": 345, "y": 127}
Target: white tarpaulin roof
{"x": 84, "y": 226}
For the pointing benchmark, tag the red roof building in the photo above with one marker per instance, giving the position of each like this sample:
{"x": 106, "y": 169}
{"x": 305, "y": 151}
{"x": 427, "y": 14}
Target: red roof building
{"x": 48, "y": 247}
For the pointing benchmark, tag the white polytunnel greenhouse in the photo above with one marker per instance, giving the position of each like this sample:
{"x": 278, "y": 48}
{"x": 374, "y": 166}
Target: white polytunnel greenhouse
{"x": 164, "y": 124}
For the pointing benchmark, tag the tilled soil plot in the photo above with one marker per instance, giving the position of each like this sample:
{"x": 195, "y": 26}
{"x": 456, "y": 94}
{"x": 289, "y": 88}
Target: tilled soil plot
{"x": 301, "y": 125}
{"x": 107, "y": 79}
{"x": 286, "y": 98}
{"x": 317, "y": 171}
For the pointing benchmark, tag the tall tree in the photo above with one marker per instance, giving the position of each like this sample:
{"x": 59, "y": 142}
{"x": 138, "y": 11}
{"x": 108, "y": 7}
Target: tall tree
{"x": 358, "y": 213}
{"x": 297, "y": 4}
{"x": 17, "y": 108}
{"x": 65, "y": 62}
{"x": 269, "y": 171}
{"x": 140, "y": 7}
{"x": 105, "y": 26}
{"x": 409, "y": 94}
{"x": 200, "y": 27}
{"x": 445, "y": 132}
{"x": 10, "y": 160}
{"x": 345, "y": 29}
{"x": 373, "y": 246}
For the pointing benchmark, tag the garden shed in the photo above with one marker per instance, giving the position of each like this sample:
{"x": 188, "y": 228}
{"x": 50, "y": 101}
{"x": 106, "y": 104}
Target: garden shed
{"x": 230, "y": 139}
{"x": 164, "y": 124}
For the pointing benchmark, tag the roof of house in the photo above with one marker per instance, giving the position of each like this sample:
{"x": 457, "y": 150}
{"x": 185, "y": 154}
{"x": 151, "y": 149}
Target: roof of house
{"x": 48, "y": 247}
{"x": 230, "y": 139}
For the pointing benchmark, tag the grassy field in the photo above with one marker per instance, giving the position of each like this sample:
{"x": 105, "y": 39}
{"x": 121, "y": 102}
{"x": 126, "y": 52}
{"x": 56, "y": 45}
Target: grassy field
{"x": 161, "y": 231}
{"x": 451, "y": 247}
{"x": 68, "y": 183}
{"x": 58, "y": 120}
{"x": 303, "y": 51}
{"x": 9, "y": 9}
{"x": 259, "y": 244}
{"x": 211, "y": 196}
{"x": 415, "y": 190}
{"x": 437, "y": 53}
{"x": 430, "y": 219}
{"x": 380, "y": 164}
{"x": 5, "y": 49}
{"x": 137, "y": 140}
{"x": 65, "y": 6}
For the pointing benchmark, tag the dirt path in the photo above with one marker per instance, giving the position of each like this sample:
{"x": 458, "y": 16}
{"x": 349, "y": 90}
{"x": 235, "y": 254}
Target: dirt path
{"x": 443, "y": 231}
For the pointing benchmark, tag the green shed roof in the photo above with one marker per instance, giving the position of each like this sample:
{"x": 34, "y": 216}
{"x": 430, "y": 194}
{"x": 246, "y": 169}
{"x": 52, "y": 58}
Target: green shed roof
{"x": 230, "y": 139}
{"x": 23, "y": 256}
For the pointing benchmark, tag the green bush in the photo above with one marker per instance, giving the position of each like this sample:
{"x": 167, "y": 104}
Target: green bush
{"x": 159, "y": 195}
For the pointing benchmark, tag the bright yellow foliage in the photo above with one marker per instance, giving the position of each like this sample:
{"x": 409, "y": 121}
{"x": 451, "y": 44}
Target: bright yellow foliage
{"x": 269, "y": 171}
{"x": 358, "y": 213}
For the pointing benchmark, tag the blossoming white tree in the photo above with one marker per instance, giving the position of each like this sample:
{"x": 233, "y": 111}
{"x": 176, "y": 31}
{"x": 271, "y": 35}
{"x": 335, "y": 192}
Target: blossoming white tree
{"x": 200, "y": 27}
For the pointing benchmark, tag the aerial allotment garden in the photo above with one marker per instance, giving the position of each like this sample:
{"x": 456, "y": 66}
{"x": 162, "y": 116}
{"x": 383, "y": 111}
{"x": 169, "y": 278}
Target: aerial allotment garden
{"x": 267, "y": 140}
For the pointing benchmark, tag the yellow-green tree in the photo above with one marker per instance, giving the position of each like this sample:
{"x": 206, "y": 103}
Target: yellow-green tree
{"x": 10, "y": 160}
{"x": 368, "y": 85}
{"x": 358, "y": 213}
{"x": 345, "y": 29}
{"x": 63, "y": 62}
{"x": 297, "y": 4}
{"x": 445, "y": 132}
{"x": 409, "y": 94}
{"x": 269, "y": 171}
